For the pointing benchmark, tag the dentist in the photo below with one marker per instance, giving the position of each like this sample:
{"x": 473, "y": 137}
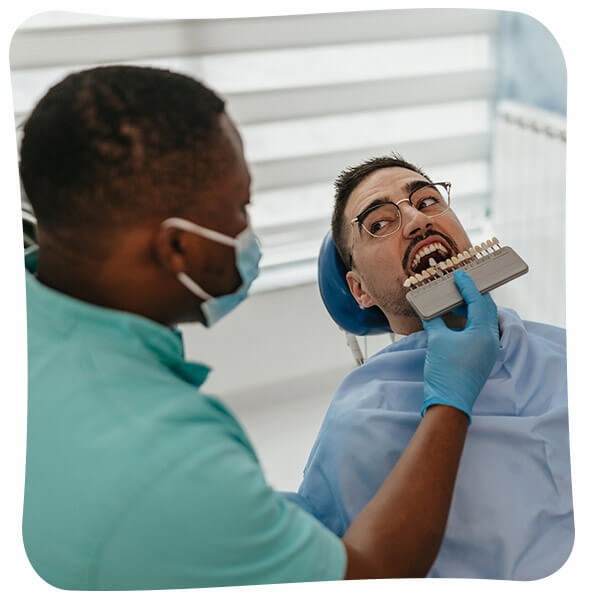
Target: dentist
{"x": 135, "y": 477}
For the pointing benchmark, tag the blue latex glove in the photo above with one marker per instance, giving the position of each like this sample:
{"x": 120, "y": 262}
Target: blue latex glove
{"x": 458, "y": 363}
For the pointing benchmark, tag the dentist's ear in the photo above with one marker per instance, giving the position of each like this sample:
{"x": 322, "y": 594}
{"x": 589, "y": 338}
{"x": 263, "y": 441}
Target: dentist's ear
{"x": 355, "y": 285}
{"x": 169, "y": 249}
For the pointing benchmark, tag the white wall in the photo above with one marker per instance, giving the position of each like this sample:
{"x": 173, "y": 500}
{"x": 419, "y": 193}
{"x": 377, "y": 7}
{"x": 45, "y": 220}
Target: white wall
{"x": 277, "y": 360}
{"x": 529, "y": 208}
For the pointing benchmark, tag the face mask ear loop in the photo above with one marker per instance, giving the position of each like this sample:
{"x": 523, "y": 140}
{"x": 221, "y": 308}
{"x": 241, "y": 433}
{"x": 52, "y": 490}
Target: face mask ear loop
{"x": 185, "y": 225}
{"x": 198, "y": 230}
{"x": 196, "y": 289}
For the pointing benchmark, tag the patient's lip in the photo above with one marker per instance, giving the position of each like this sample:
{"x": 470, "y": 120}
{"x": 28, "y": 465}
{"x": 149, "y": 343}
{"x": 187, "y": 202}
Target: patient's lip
{"x": 430, "y": 239}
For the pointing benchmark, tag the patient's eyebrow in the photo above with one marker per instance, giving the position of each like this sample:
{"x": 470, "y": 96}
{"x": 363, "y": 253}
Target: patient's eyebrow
{"x": 373, "y": 204}
{"x": 408, "y": 189}
{"x": 412, "y": 186}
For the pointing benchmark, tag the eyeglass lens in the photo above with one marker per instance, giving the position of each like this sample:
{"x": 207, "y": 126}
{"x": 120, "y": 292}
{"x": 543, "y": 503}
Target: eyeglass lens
{"x": 385, "y": 219}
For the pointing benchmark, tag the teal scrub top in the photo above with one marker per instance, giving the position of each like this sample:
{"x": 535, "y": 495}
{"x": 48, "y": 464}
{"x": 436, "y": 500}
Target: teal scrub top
{"x": 135, "y": 479}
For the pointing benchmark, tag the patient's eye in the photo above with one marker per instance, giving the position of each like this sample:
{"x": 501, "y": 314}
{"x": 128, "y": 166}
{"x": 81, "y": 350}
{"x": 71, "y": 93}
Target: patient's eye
{"x": 427, "y": 202}
{"x": 378, "y": 225}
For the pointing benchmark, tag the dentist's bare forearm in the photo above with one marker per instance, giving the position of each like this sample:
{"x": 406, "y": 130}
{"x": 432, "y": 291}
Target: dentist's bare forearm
{"x": 399, "y": 533}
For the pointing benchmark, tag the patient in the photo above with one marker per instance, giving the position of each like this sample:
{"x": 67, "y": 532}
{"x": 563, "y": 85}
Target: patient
{"x": 511, "y": 516}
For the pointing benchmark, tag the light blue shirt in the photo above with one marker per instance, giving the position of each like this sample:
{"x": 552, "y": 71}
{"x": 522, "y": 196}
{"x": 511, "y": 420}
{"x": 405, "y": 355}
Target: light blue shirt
{"x": 511, "y": 516}
{"x": 135, "y": 479}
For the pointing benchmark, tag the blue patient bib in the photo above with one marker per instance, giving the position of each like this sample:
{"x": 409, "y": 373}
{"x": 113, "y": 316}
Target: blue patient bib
{"x": 511, "y": 515}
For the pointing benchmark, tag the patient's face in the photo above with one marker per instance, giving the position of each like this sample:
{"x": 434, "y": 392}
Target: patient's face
{"x": 381, "y": 265}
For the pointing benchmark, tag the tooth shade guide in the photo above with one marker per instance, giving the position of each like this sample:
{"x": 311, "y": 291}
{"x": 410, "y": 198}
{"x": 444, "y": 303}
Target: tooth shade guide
{"x": 493, "y": 267}
{"x": 488, "y": 246}
{"x": 441, "y": 270}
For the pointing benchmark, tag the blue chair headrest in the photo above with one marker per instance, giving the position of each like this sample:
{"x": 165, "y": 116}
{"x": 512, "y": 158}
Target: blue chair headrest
{"x": 337, "y": 298}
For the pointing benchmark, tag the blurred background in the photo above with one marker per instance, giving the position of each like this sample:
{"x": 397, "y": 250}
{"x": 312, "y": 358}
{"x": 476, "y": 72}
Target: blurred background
{"x": 475, "y": 97}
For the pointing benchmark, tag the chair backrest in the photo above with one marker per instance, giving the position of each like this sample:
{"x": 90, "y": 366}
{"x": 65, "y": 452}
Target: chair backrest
{"x": 337, "y": 298}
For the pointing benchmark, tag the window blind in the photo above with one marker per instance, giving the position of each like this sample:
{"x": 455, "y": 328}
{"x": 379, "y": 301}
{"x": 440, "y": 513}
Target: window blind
{"x": 311, "y": 95}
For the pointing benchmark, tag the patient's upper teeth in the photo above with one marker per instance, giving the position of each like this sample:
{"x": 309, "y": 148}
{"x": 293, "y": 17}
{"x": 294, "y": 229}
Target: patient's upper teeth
{"x": 425, "y": 250}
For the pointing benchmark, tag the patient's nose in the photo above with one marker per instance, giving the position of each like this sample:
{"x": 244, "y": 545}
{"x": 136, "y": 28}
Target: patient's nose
{"x": 414, "y": 221}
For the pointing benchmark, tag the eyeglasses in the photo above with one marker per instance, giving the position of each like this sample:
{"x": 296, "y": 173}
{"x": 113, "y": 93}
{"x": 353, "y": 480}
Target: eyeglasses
{"x": 384, "y": 218}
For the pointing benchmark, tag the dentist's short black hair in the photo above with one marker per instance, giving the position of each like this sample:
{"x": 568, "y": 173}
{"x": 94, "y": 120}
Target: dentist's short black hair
{"x": 108, "y": 146}
{"x": 345, "y": 184}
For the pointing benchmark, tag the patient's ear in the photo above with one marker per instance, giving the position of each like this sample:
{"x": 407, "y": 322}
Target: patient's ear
{"x": 355, "y": 285}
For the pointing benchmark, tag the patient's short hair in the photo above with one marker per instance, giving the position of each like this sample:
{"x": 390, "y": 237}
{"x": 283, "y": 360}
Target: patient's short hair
{"x": 344, "y": 185}
{"x": 113, "y": 145}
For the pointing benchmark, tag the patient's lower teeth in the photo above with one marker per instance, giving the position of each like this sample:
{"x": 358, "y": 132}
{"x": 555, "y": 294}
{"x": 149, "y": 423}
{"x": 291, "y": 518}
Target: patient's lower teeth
{"x": 428, "y": 259}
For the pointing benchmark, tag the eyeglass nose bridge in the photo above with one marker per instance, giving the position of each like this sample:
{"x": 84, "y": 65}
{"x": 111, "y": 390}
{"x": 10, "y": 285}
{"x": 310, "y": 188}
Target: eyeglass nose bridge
{"x": 401, "y": 218}
{"x": 447, "y": 186}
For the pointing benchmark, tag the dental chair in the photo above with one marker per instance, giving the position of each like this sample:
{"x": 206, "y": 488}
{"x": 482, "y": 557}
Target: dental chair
{"x": 340, "y": 304}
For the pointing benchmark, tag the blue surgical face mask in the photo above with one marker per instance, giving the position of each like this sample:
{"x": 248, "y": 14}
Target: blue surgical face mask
{"x": 247, "y": 258}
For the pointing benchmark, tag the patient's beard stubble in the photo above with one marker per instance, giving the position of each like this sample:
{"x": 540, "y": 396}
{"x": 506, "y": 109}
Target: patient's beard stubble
{"x": 394, "y": 303}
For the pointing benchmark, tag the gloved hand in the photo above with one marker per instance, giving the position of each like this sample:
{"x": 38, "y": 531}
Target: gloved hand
{"x": 458, "y": 363}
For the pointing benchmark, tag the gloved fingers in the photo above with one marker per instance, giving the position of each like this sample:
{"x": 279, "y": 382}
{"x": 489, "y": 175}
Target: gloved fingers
{"x": 492, "y": 311}
{"x": 483, "y": 312}
{"x": 460, "y": 310}
{"x": 433, "y": 325}
{"x": 466, "y": 286}
{"x": 490, "y": 302}
{"x": 490, "y": 306}
{"x": 479, "y": 310}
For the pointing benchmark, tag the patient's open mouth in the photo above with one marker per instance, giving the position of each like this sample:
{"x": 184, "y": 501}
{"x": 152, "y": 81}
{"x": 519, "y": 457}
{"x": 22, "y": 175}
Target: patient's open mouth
{"x": 422, "y": 258}
{"x": 435, "y": 247}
